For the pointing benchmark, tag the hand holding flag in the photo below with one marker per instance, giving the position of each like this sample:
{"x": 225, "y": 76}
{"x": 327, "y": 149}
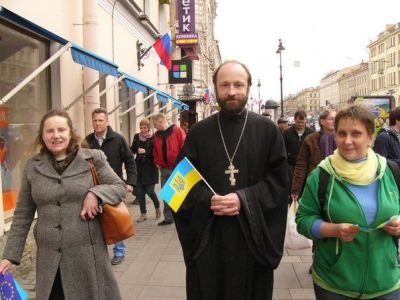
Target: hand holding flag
{"x": 179, "y": 183}
{"x": 10, "y": 289}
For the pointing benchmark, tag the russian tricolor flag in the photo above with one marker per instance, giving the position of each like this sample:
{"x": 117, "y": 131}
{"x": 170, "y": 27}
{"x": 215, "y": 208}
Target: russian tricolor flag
{"x": 164, "y": 51}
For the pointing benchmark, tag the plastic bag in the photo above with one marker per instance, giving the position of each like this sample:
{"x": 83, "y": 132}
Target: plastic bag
{"x": 293, "y": 239}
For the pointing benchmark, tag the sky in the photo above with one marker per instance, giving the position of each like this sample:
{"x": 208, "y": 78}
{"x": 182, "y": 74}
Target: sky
{"x": 319, "y": 36}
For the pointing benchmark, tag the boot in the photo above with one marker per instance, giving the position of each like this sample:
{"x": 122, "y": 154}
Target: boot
{"x": 158, "y": 213}
{"x": 142, "y": 218}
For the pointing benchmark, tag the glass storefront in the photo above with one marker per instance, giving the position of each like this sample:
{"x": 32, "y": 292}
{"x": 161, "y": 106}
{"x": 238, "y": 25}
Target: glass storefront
{"x": 20, "y": 54}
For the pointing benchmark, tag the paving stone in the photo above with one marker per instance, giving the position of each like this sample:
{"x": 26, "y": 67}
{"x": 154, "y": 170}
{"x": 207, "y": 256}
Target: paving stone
{"x": 285, "y": 277}
{"x": 303, "y": 277}
{"x": 305, "y": 294}
{"x": 162, "y": 292}
{"x": 169, "y": 274}
{"x": 290, "y": 259}
{"x": 282, "y": 294}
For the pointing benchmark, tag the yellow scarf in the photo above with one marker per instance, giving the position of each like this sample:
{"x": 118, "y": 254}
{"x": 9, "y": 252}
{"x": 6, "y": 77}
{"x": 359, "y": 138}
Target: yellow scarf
{"x": 359, "y": 173}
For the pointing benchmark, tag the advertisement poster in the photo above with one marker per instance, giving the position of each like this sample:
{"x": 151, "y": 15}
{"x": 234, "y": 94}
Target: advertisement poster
{"x": 380, "y": 107}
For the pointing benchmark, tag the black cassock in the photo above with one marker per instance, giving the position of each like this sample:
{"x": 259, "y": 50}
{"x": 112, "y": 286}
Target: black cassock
{"x": 233, "y": 257}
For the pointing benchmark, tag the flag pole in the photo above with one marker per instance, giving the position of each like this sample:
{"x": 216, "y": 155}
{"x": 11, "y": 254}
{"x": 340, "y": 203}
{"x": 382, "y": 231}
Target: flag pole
{"x": 205, "y": 181}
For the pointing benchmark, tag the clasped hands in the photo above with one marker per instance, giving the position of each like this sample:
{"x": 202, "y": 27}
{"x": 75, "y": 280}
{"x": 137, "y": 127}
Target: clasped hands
{"x": 227, "y": 205}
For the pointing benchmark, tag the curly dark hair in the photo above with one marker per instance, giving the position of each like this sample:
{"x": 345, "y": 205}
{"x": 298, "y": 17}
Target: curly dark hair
{"x": 74, "y": 141}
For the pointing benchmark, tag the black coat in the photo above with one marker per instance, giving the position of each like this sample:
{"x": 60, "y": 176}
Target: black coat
{"x": 147, "y": 172}
{"x": 387, "y": 145}
{"x": 117, "y": 151}
{"x": 293, "y": 143}
{"x": 231, "y": 257}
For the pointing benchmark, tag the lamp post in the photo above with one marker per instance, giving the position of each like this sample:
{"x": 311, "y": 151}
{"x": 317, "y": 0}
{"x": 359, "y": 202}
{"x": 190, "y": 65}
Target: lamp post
{"x": 259, "y": 96}
{"x": 280, "y": 49}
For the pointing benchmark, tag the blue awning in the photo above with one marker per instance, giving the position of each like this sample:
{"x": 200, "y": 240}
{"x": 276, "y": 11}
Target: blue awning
{"x": 137, "y": 85}
{"x": 80, "y": 55}
{"x": 164, "y": 97}
{"x": 161, "y": 96}
{"x": 92, "y": 60}
{"x": 18, "y": 20}
{"x": 180, "y": 105}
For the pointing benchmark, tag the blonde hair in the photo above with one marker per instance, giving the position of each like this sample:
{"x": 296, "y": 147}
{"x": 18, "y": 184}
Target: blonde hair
{"x": 144, "y": 122}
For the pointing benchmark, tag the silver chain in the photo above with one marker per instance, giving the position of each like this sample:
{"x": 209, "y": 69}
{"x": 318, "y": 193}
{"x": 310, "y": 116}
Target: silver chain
{"x": 240, "y": 138}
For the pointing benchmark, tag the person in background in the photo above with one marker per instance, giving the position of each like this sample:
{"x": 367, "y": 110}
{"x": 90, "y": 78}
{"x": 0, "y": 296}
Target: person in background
{"x": 147, "y": 172}
{"x": 387, "y": 141}
{"x": 315, "y": 147}
{"x": 72, "y": 259}
{"x": 168, "y": 141}
{"x": 283, "y": 124}
{"x": 233, "y": 240}
{"x": 185, "y": 127}
{"x": 267, "y": 114}
{"x": 294, "y": 137}
{"x": 355, "y": 256}
{"x": 118, "y": 154}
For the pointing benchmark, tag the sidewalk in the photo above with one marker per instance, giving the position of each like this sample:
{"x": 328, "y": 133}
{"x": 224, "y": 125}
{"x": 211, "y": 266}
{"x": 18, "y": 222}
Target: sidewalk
{"x": 153, "y": 268}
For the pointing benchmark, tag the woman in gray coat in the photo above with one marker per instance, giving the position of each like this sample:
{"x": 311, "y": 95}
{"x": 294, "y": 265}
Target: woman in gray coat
{"x": 72, "y": 257}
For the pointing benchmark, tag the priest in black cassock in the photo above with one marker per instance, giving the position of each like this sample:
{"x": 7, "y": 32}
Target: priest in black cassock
{"x": 233, "y": 240}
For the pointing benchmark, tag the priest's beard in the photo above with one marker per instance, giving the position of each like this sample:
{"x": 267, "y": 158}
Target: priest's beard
{"x": 234, "y": 107}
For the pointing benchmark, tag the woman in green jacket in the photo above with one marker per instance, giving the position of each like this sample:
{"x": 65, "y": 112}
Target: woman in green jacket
{"x": 355, "y": 250}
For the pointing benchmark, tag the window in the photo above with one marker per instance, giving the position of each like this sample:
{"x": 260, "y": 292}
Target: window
{"x": 20, "y": 54}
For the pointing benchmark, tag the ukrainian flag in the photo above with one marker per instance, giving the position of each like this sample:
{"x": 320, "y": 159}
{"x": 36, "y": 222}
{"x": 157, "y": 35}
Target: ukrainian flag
{"x": 179, "y": 183}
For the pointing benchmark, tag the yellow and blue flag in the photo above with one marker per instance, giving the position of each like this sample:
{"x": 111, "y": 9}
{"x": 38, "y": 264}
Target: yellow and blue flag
{"x": 179, "y": 183}
{"x": 10, "y": 289}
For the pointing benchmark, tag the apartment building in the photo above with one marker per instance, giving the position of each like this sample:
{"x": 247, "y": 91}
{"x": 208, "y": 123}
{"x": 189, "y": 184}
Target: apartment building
{"x": 384, "y": 63}
{"x": 353, "y": 83}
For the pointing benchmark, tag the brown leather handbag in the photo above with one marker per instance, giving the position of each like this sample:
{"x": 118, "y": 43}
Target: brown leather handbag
{"x": 116, "y": 221}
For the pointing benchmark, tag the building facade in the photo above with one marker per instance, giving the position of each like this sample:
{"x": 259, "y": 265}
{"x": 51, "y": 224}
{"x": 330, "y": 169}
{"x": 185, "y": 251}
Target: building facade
{"x": 353, "y": 83}
{"x": 384, "y": 63}
{"x": 82, "y": 55}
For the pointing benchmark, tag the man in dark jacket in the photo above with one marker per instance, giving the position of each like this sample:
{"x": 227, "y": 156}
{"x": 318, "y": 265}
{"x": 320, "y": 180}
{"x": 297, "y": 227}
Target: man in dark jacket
{"x": 118, "y": 153}
{"x": 387, "y": 142}
{"x": 293, "y": 138}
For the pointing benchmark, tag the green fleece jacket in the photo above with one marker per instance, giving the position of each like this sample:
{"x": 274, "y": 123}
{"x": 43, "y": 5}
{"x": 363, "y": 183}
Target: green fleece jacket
{"x": 366, "y": 267}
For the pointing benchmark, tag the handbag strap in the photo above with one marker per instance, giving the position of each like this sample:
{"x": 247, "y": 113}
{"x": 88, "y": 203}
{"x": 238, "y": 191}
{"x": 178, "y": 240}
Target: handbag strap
{"x": 96, "y": 179}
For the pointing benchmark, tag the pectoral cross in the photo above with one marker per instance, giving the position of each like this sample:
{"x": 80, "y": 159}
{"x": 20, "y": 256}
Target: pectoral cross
{"x": 231, "y": 171}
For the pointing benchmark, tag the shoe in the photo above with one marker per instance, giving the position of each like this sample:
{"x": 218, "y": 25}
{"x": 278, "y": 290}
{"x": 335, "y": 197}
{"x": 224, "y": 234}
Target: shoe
{"x": 142, "y": 218}
{"x": 158, "y": 213}
{"x": 165, "y": 222}
{"x": 116, "y": 260}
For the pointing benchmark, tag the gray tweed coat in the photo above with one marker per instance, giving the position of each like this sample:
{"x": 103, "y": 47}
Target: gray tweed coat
{"x": 63, "y": 240}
